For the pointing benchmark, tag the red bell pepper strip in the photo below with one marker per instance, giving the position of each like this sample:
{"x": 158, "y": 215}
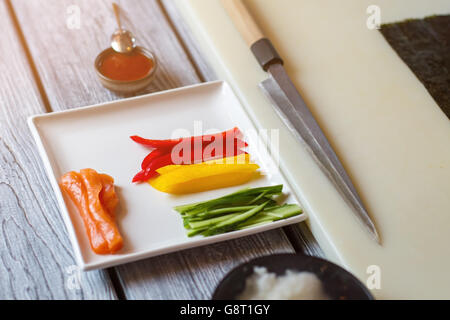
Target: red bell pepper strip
{"x": 150, "y": 170}
{"x": 152, "y": 156}
{"x": 144, "y": 175}
{"x": 205, "y": 139}
{"x": 202, "y": 148}
{"x": 159, "y": 152}
{"x": 159, "y": 144}
{"x": 205, "y": 152}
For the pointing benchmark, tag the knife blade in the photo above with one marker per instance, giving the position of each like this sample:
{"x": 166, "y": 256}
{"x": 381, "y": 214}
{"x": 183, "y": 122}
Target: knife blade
{"x": 294, "y": 112}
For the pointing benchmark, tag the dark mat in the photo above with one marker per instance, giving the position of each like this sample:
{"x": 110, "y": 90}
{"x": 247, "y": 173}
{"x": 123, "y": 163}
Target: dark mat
{"x": 424, "y": 45}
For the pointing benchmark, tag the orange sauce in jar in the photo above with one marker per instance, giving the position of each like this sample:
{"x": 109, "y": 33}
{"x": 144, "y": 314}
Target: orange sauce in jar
{"x": 126, "y": 67}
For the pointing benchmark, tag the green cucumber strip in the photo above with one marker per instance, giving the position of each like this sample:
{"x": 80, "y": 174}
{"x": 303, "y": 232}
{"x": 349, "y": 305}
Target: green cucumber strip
{"x": 228, "y": 224}
{"x": 270, "y": 190}
{"x": 186, "y": 223}
{"x": 195, "y": 208}
{"x": 202, "y": 213}
{"x": 282, "y": 212}
{"x": 219, "y": 212}
{"x": 230, "y": 209}
{"x": 204, "y": 207}
{"x": 195, "y": 232}
{"x": 258, "y": 197}
{"x": 242, "y": 216}
{"x": 211, "y": 222}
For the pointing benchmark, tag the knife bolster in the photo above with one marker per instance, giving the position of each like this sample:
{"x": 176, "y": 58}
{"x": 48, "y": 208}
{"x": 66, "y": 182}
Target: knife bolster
{"x": 265, "y": 53}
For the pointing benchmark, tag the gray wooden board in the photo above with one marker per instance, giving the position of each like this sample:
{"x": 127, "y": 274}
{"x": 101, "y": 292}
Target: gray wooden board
{"x": 64, "y": 61}
{"x": 187, "y": 39}
{"x": 35, "y": 254}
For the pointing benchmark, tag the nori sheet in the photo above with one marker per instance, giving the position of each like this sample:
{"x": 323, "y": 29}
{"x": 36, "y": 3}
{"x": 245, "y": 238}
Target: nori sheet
{"x": 424, "y": 45}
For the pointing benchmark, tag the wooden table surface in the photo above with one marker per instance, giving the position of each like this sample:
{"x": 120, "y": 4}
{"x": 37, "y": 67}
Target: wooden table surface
{"x": 46, "y": 65}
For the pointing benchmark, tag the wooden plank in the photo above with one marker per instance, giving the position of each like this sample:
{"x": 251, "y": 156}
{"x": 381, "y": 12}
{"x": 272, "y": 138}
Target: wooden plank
{"x": 64, "y": 54}
{"x": 35, "y": 255}
{"x": 64, "y": 59}
{"x": 186, "y": 38}
{"x": 299, "y": 235}
{"x": 194, "y": 273}
{"x": 302, "y": 240}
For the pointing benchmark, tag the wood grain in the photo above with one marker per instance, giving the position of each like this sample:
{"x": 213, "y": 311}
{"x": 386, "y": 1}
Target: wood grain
{"x": 35, "y": 254}
{"x": 64, "y": 55}
{"x": 186, "y": 39}
{"x": 194, "y": 273}
{"x": 64, "y": 59}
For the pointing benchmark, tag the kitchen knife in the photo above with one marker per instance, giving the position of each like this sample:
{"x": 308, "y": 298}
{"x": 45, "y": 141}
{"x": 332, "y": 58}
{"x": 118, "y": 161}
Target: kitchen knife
{"x": 292, "y": 109}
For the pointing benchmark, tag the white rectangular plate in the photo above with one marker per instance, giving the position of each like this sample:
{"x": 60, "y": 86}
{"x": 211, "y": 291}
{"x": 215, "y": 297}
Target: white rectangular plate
{"x": 98, "y": 137}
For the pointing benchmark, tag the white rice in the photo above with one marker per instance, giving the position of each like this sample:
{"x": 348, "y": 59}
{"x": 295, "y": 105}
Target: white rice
{"x": 293, "y": 285}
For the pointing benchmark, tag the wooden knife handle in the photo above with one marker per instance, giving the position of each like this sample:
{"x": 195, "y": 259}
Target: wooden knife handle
{"x": 261, "y": 47}
{"x": 243, "y": 21}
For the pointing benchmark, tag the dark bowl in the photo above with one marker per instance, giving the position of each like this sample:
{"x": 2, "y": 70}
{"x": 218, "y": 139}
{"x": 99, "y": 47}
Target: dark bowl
{"x": 337, "y": 283}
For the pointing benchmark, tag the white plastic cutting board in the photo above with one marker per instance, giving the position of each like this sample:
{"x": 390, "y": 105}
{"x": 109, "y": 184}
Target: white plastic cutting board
{"x": 388, "y": 131}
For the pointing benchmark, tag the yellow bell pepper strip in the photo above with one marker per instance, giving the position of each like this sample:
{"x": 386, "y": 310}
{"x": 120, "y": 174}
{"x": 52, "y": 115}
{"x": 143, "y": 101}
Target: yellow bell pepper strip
{"x": 221, "y": 173}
